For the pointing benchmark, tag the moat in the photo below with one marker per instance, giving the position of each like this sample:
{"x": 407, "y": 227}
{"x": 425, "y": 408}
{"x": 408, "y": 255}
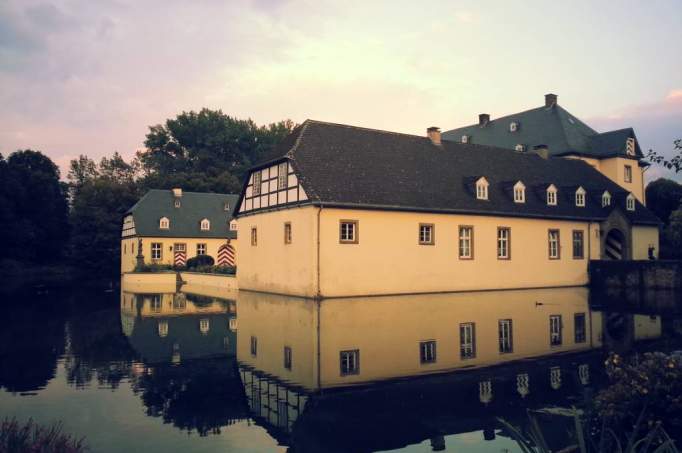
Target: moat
{"x": 157, "y": 369}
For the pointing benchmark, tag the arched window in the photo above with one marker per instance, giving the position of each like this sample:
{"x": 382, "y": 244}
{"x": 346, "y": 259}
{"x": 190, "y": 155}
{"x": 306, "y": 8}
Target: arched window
{"x": 519, "y": 192}
{"x": 630, "y": 202}
{"x": 482, "y": 188}
{"x": 164, "y": 223}
{"x": 605, "y": 199}
{"x": 580, "y": 197}
{"x": 552, "y": 195}
{"x": 205, "y": 225}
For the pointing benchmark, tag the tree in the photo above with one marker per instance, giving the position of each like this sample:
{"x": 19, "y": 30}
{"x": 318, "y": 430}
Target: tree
{"x": 663, "y": 196}
{"x": 674, "y": 163}
{"x": 672, "y": 235}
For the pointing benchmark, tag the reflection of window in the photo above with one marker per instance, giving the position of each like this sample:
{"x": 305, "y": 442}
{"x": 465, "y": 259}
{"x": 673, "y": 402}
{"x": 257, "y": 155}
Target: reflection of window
{"x": 163, "y": 328}
{"x": 503, "y": 243}
{"x": 555, "y": 330}
{"x": 553, "y": 238}
{"x": 427, "y": 351}
{"x": 505, "y": 336}
{"x": 233, "y": 225}
{"x": 522, "y": 384}
{"x": 466, "y": 242}
{"x": 204, "y": 325}
{"x": 201, "y": 249}
{"x": 348, "y": 231}
{"x": 155, "y": 303}
{"x": 555, "y": 377}
{"x": 605, "y": 199}
{"x": 350, "y": 362}
{"x": 254, "y": 346}
{"x": 287, "y": 357}
{"x": 580, "y": 329}
{"x": 232, "y": 324}
{"x": 485, "y": 391}
{"x": 467, "y": 340}
{"x": 157, "y": 251}
{"x": 426, "y": 234}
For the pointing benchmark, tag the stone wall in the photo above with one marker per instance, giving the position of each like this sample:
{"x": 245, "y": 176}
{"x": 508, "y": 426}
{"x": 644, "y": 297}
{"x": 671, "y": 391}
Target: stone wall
{"x": 635, "y": 275}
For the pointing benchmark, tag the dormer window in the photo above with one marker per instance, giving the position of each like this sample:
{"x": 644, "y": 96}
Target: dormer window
{"x": 177, "y": 203}
{"x": 552, "y": 195}
{"x": 513, "y": 126}
{"x": 519, "y": 193}
{"x": 580, "y": 197}
{"x": 205, "y": 225}
{"x": 630, "y": 146}
{"x": 482, "y": 188}
{"x": 164, "y": 223}
{"x": 605, "y": 199}
{"x": 630, "y": 202}
{"x": 520, "y": 148}
{"x": 226, "y": 207}
{"x": 465, "y": 139}
{"x": 233, "y": 225}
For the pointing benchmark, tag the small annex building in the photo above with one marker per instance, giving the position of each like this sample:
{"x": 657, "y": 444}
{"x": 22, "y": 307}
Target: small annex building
{"x": 339, "y": 211}
{"x": 171, "y": 226}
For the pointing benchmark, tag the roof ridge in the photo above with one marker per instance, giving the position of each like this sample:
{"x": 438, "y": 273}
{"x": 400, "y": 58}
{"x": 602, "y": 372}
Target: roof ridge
{"x": 616, "y": 130}
{"x": 328, "y": 123}
{"x": 504, "y": 117}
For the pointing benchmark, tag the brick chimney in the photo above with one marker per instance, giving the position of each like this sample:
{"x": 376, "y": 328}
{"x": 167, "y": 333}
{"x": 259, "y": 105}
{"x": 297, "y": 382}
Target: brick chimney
{"x": 434, "y": 135}
{"x": 483, "y": 119}
{"x": 550, "y": 100}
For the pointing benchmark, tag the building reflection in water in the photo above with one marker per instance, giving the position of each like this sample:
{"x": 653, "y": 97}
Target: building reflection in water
{"x": 470, "y": 352}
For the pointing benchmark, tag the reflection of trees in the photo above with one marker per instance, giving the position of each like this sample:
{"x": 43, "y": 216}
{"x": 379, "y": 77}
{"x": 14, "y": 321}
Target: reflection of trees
{"x": 201, "y": 395}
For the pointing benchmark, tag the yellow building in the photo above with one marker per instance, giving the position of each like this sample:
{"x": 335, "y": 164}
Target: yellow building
{"x": 171, "y": 226}
{"x": 342, "y": 211}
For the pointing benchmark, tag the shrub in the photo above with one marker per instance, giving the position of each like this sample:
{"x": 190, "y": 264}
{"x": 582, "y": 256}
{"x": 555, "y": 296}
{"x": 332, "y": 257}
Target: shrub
{"x": 200, "y": 260}
{"x": 153, "y": 268}
{"x": 31, "y": 437}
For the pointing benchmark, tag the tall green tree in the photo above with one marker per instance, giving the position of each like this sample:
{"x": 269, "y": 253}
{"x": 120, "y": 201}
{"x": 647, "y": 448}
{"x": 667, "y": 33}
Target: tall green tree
{"x": 663, "y": 196}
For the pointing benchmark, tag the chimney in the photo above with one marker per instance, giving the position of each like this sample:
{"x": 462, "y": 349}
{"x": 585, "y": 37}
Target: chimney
{"x": 550, "y": 100}
{"x": 541, "y": 150}
{"x": 483, "y": 119}
{"x": 177, "y": 192}
{"x": 434, "y": 135}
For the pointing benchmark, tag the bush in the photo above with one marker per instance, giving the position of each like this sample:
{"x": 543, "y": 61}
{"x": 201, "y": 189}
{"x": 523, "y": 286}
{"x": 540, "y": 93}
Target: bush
{"x": 153, "y": 268}
{"x": 200, "y": 260}
{"x": 31, "y": 437}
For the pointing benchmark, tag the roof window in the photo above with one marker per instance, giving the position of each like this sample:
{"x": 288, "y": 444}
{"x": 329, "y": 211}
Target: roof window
{"x": 552, "y": 195}
{"x": 605, "y": 199}
{"x": 513, "y": 126}
{"x": 520, "y": 148}
{"x": 465, "y": 138}
{"x": 164, "y": 223}
{"x": 482, "y": 188}
{"x": 580, "y": 197}
{"x": 205, "y": 225}
{"x": 519, "y": 193}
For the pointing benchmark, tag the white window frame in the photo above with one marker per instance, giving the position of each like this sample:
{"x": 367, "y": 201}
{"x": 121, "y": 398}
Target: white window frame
{"x": 627, "y": 173}
{"x": 482, "y": 188}
{"x": 164, "y": 223}
{"x": 580, "y": 197}
{"x": 519, "y": 192}
{"x": 520, "y": 147}
{"x": 177, "y": 203}
{"x": 205, "y": 225}
{"x": 348, "y": 231}
{"x": 204, "y": 325}
{"x": 467, "y": 340}
{"x": 427, "y": 351}
{"x": 349, "y": 362}
{"x": 505, "y": 333}
{"x": 465, "y": 139}
{"x": 426, "y": 234}
{"x": 554, "y": 245}
{"x": 282, "y": 176}
{"x": 513, "y": 126}
{"x": 630, "y": 202}
{"x": 555, "y": 330}
{"x": 466, "y": 242}
{"x": 605, "y": 199}
{"x": 233, "y": 225}
{"x": 503, "y": 243}
{"x": 157, "y": 251}
{"x": 552, "y": 197}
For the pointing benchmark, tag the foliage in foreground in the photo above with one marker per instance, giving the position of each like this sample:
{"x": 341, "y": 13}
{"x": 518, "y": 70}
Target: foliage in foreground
{"x": 31, "y": 437}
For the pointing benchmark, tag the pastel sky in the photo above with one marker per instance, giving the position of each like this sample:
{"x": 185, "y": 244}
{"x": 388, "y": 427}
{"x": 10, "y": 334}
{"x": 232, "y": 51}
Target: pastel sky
{"x": 82, "y": 76}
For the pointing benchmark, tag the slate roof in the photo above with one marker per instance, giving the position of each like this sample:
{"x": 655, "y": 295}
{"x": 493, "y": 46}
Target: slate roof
{"x": 553, "y": 126}
{"x": 185, "y": 220}
{"x": 346, "y": 166}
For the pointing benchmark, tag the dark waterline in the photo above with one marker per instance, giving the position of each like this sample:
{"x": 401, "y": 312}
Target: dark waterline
{"x": 136, "y": 378}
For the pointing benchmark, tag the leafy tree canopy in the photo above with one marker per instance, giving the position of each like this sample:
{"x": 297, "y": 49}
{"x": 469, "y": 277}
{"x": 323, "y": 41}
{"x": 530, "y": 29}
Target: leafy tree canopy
{"x": 663, "y": 196}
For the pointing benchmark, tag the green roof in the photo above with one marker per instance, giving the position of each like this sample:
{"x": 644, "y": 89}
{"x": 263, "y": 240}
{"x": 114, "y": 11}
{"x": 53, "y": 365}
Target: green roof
{"x": 553, "y": 126}
{"x": 184, "y": 220}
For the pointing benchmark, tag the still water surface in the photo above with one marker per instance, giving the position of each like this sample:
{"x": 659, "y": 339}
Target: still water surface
{"x": 161, "y": 369}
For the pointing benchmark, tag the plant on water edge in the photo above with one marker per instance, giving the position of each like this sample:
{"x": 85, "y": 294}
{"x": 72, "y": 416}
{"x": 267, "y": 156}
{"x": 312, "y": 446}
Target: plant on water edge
{"x": 31, "y": 437}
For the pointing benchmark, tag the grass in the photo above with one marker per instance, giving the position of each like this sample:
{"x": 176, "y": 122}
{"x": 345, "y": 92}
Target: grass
{"x": 31, "y": 437}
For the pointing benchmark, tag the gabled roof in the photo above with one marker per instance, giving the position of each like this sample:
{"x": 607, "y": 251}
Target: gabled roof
{"x": 346, "y": 166}
{"x": 185, "y": 220}
{"x": 552, "y": 126}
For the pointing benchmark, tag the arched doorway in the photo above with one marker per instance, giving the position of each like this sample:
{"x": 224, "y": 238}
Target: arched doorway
{"x": 614, "y": 245}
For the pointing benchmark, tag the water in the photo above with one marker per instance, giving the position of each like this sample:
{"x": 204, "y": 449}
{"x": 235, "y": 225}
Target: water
{"x": 154, "y": 369}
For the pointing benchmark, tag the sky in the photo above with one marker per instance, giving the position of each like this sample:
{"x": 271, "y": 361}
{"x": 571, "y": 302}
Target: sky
{"x": 90, "y": 77}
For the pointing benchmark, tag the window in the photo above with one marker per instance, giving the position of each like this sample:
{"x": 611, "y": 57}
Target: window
{"x": 204, "y": 325}
{"x": 282, "y": 176}
{"x": 520, "y": 147}
{"x": 630, "y": 203}
{"x": 551, "y": 195}
{"x": 256, "y": 183}
{"x": 177, "y": 203}
{"x": 580, "y": 197}
{"x": 628, "y": 173}
{"x": 233, "y": 225}
{"x": 426, "y": 231}
{"x": 201, "y": 249}
{"x": 254, "y": 236}
{"x": 155, "y": 303}
{"x": 504, "y": 328}
{"x": 205, "y": 225}
{"x": 226, "y": 206}
{"x": 605, "y": 199}
{"x": 578, "y": 244}
{"x": 482, "y": 189}
{"x": 513, "y": 126}
{"x": 467, "y": 340}
{"x": 254, "y": 346}
{"x": 503, "y": 243}
{"x": 287, "y": 232}
{"x": 427, "y": 351}
{"x": 350, "y": 362}
{"x": 580, "y": 328}
{"x": 348, "y": 231}
{"x": 157, "y": 250}
{"x": 555, "y": 330}
{"x": 466, "y": 242}
{"x": 164, "y": 223}
{"x": 554, "y": 245}
{"x": 519, "y": 193}
{"x": 180, "y": 247}
{"x": 630, "y": 146}
{"x": 163, "y": 329}
{"x": 465, "y": 139}
{"x": 287, "y": 357}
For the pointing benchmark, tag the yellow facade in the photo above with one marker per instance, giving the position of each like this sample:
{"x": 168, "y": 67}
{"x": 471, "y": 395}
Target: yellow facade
{"x": 387, "y": 332}
{"x": 643, "y": 238}
{"x": 614, "y": 169}
{"x": 129, "y": 250}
